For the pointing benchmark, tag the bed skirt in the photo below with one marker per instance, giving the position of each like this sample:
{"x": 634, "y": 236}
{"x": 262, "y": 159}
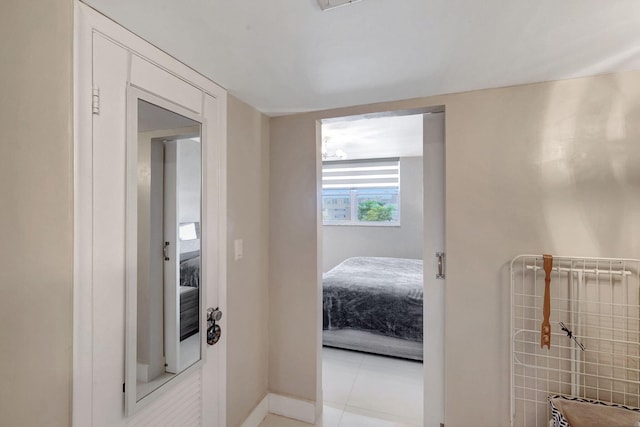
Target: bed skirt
{"x": 353, "y": 339}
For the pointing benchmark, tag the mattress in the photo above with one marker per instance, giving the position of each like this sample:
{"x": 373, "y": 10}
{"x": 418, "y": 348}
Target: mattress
{"x": 189, "y": 309}
{"x": 377, "y": 295}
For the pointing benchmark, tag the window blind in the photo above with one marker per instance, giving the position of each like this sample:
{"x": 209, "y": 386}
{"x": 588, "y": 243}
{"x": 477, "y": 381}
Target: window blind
{"x": 373, "y": 173}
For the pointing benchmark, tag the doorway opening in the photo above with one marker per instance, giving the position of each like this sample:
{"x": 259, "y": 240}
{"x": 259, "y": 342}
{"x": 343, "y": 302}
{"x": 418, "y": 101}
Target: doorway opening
{"x": 376, "y": 245}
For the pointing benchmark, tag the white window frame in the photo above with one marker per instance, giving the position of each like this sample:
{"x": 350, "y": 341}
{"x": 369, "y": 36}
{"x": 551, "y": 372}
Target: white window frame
{"x": 388, "y": 178}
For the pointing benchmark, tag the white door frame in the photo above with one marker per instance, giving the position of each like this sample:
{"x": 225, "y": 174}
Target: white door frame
{"x": 171, "y": 269}
{"x": 211, "y": 102}
{"x": 433, "y": 196}
{"x": 433, "y": 212}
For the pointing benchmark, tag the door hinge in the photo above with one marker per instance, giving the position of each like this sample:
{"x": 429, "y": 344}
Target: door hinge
{"x": 123, "y": 384}
{"x": 95, "y": 101}
{"x": 165, "y": 250}
{"x": 440, "y": 257}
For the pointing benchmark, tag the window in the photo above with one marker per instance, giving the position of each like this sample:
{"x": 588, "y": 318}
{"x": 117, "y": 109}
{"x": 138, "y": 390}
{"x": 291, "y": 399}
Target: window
{"x": 364, "y": 192}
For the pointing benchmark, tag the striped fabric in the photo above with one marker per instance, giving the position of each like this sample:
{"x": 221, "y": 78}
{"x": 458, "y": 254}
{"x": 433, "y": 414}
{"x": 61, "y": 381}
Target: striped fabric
{"x": 559, "y": 419}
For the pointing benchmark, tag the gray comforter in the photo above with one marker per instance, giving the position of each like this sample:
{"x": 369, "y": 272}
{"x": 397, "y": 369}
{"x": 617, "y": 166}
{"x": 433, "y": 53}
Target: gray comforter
{"x": 189, "y": 294}
{"x": 379, "y": 295}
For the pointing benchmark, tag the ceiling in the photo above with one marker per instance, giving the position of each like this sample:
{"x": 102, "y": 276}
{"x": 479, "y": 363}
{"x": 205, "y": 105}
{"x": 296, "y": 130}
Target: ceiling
{"x": 369, "y": 138}
{"x": 286, "y": 56}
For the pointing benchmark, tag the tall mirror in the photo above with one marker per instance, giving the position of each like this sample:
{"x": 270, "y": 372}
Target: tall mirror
{"x": 167, "y": 284}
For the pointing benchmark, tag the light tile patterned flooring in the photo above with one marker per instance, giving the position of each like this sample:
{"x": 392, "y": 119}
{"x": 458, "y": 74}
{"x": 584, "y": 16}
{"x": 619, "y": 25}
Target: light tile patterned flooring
{"x": 363, "y": 390}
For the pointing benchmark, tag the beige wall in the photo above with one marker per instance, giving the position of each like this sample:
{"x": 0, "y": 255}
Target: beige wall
{"x": 293, "y": 257}
{"x": 551, "y": 167}
{"x": 247, "y": 288}
{"x": 36, "y": 194}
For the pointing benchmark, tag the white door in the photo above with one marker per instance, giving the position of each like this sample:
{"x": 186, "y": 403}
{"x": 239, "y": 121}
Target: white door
{"x": 108, "y": 61}
{"x": 171, "y": 255}
{"x": 434, "y": 292}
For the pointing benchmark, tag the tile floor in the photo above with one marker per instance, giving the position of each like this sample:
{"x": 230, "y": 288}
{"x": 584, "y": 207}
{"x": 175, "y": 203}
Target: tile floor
{"x": 363, "y": 390}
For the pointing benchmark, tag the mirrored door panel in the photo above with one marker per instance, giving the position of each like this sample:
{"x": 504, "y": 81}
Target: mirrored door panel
{"x": 167, "y": 286}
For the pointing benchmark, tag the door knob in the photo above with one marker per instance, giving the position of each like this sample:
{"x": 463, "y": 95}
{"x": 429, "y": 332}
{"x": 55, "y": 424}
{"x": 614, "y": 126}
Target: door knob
{"x": 213, "y": 330}
{"x": 214, "y": 314}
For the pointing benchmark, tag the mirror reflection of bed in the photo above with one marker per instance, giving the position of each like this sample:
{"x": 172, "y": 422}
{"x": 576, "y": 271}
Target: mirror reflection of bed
{"x": 168, "y": 290}
{"x": 189, "y": 293}
{"x": 189, "y": 300}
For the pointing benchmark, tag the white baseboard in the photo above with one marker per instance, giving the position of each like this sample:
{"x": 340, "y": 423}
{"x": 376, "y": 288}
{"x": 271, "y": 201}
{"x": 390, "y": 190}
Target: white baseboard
{"x": 258, "y": 414}
{"x": 301, "y": 410}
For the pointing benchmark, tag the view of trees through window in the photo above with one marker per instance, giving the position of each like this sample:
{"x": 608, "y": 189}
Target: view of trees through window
{"x": 372, "y": 210}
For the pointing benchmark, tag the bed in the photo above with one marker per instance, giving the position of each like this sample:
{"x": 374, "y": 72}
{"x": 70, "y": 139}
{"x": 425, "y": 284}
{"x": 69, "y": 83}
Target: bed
{"x": 374, "y": 304}
{"x": 189, "y": 294}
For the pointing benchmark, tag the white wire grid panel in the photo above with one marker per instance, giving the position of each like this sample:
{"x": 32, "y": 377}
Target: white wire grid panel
{"x": 598, "y": 300}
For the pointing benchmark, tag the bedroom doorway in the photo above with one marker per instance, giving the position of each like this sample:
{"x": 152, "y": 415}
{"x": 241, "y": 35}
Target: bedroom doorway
{"x": 382, "y": 221}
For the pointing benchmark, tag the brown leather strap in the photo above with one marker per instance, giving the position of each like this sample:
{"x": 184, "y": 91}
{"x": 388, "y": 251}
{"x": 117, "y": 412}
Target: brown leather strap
{"x": 545, "y": 335}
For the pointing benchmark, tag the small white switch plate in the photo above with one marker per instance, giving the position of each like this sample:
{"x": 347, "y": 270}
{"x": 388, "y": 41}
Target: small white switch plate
{"x": 239, "y": 251}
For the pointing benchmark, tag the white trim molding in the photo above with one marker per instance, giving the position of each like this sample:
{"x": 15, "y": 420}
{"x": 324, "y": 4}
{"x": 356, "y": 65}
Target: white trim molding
{"x": 297, "y": 409}
{"x": 258, "y": 414}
